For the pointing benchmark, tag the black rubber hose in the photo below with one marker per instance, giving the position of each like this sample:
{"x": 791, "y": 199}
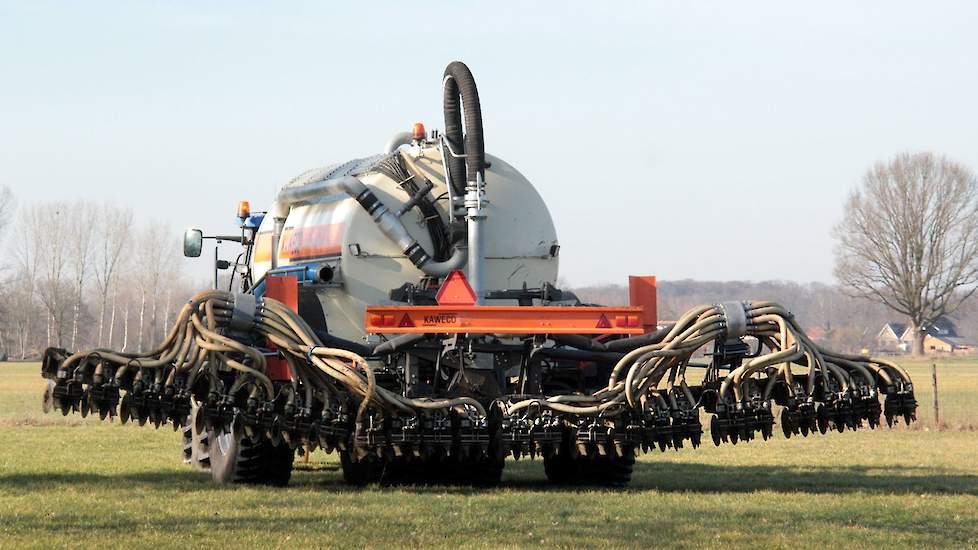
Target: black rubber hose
{"x": 331, "y": 341}
{"x": 635, "y": 342}
{"x": 393, "y": 167}
{"x": 383, "y": 348}
{"x": 579, "y": 341}
{"x": 458, "y": 82}
{"x": 580, "y": 355}
{"x": 587, "y": 343}
{"x": 397, "y": 342}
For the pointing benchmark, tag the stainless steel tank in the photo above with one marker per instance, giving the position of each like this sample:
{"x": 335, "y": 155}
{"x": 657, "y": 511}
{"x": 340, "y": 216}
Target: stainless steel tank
{"x": 335, "y": 230}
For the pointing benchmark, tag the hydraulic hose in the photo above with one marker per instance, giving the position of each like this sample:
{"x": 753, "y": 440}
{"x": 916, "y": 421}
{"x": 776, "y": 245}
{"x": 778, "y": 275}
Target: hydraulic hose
{"x": 622, "y": 345}
{"x": 387, "y": 221}
{"x": 334, "y": 398}
{"x": 466, "y": 161}
{"x": 467, "y": 157}
{"x": 386, "y": 347}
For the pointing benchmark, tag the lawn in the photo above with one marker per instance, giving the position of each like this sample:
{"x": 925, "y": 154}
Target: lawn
{"x": 74, "y": 482}
{"x": 957, "y": 392}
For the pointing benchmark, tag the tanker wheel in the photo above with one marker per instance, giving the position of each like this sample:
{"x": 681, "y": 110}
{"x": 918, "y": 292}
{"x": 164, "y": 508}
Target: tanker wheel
{"x": 249, "y": 459}
{"x": 476, "y": 472}
{"x": 361, "y": 472}
{"x": 403, "y": 470}
{"x": 560, "y": 469}
{"x": 196, "y": 444}
{"x": 487, "y": 471}
{"x": 482, "y": 471}
{"x": 604, "y": 471}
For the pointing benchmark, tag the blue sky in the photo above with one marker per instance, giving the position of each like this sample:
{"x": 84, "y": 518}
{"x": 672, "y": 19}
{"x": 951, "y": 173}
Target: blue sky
{"x": 708, "y": 140}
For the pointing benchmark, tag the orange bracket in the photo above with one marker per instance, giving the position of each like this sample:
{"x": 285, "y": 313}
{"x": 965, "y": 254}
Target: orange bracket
{"x": 286, "y": 290}
{"x": 503, "y": 320}
{"x": 642, "y": 292}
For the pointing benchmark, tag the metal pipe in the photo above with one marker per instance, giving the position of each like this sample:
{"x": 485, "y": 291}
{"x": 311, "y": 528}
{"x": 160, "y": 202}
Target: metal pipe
{"x": 475, "y": 214}
{"x": 386, "y": 220}
{"x": 277, "y": 228}
{"x": 398, "y": 139}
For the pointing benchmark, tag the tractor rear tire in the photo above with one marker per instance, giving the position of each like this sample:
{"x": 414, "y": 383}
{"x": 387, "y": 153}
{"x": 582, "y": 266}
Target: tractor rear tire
{"x": 254, "y": 460}
{"x": 196, "y": 445}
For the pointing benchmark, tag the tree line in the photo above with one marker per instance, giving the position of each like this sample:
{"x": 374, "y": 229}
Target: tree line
{"x": 80, "y": 274}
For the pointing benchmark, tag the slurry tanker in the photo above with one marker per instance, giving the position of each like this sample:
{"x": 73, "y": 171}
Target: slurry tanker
{"x": 400, "y": 310}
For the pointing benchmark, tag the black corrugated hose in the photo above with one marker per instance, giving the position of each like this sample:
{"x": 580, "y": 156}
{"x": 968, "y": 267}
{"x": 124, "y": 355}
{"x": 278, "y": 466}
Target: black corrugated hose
{"x": 459, "y": 83}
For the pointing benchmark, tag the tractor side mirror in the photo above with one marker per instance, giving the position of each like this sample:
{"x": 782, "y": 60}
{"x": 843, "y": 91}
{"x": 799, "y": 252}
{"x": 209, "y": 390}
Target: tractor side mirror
{"x": 193, "y": 240}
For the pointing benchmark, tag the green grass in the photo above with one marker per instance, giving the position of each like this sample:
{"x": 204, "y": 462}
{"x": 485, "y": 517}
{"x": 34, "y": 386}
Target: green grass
{"x": 957, "y": 392}
{"x": 82, "y": 483}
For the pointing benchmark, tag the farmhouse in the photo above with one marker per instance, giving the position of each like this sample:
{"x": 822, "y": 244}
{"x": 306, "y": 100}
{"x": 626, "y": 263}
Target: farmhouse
{"x": 890, "y": 338}
{"x": 941, "y": 337}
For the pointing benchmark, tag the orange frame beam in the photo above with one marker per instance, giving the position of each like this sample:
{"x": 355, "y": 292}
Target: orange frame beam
{"x": 642, "y": 292}
{"x": 503, "y": 320}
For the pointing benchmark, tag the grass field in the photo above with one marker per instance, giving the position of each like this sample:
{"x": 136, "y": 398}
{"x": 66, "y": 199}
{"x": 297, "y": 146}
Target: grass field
{"x": 957, "y": 392}
{"x": 68, "y": 482}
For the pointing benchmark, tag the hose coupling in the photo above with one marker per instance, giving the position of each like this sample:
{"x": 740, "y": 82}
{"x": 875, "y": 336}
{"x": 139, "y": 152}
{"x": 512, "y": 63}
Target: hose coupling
{"x": 735, "y": 316}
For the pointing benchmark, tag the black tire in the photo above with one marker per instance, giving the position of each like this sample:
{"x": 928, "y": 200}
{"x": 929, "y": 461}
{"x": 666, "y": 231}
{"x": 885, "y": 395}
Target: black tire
{"x": 249, "y": 459}
{"x": 47, "y": 401}
{"x": 196, "y": 445}
{"x": 360, "y": 472}
{"x": 598, "y": 471}
{"x": 486, "y": 472}
{"x": 560, "y": 469}
{"x": 476, "y": 471}
{"x": 481, "y": 472}
{"x": 405, "y": 471}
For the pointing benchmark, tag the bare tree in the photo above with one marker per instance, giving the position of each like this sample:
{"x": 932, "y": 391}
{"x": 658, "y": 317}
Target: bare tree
{"x": 27, "y": 265}
{"x": 127, "y": 304}
{"x": 154, "y": 254}
{"x": 50, "y": 224}
{"x": 56, "y": 250}
{"x": 80, "y": 238}
{"x": 7, "y": 321}
{"x": 7, "y": 205}
{"x": 112, "y": 236}
{"x": 909, "y": 238}
{"x": 38, "y": 252}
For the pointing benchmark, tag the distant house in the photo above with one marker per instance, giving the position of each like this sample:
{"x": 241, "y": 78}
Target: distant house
{"x": 890, "y": 338}
{"x": 941, "y": 337}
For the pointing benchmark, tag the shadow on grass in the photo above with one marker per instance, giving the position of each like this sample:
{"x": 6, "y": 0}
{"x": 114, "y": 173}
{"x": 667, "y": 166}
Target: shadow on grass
{"x": 39, "y": 481}
{"x": 672, "y": 477}
{"x": 710, "y": 478}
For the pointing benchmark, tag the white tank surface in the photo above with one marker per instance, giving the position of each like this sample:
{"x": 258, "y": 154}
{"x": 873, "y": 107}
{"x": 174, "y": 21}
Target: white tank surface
{"x": 519, "y": 241}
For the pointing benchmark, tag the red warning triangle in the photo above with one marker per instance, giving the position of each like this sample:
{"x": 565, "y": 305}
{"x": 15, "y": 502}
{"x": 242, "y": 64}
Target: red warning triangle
{"x": 603, "y": 322}
{"x": 456, "y": 291}
{"x": 406, "y": 321}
